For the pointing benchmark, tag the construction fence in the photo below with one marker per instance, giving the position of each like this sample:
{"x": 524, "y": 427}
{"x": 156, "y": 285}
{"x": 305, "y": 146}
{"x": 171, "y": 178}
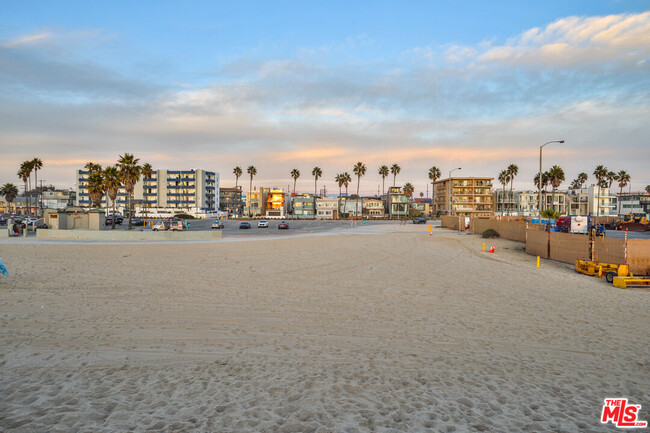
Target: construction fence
{"x": 452, "y": 222}
{"x": 566, "y": 247}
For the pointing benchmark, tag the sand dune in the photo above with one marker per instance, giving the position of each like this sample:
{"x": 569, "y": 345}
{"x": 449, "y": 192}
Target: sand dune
{"x": 393, "y": 330}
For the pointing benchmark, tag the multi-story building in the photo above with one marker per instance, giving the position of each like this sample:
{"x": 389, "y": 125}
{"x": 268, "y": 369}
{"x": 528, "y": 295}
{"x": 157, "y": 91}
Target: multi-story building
{"x": 592, "y": 201}
{"x": 634, "y": 202}
{"x": 396, "y": 203}
{"x": 56, "y": 199}
{"x": 230, "y": 201}
{"x": 327, "y": 208}
{"x": 275, "y": 203}
{"x": 464, "y": 196}
{"x": 304, "y": 206}
{"x": 524, "y": 203}
{"x": 373, "y": 208}
{"x": 256, "y": 202}
{"x": 351, "y": 207}
{"x": 422, "y": 205}
{"x": 166, "y": 191}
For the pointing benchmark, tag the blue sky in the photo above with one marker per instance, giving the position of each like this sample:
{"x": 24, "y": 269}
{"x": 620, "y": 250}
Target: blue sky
{"x": 287, "y": 85}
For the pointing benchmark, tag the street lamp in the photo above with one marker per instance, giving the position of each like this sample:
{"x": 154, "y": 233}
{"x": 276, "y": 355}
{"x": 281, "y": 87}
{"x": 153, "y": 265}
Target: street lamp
{"x": 451, "y": 192}
{"x": 539, "y": 179}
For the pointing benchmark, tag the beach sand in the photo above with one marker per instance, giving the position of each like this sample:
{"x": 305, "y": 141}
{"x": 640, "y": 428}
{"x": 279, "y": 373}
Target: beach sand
{"x": 391, "y": 330}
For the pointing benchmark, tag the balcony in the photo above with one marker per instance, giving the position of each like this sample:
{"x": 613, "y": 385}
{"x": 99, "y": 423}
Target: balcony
{"x": 181, "y": 187}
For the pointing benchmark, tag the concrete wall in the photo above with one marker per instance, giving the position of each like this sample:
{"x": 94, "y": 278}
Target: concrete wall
{"x": 124, "y": 235}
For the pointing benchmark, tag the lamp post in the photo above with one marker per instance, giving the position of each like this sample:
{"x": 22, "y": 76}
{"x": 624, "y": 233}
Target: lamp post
{"x": 451, "y": 192}
{"x": 539, "y": 179}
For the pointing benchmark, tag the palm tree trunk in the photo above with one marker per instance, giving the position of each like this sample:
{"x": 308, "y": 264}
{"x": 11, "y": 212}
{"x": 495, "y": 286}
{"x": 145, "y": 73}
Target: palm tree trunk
{"x": 315, "y": 180}
{"x": 394, "y": 177}
{"x": 554, "y": 199}
{"x": 383, "y": 182}
{"x": 130, "y": 213}
{"x": 357, "y": 204}
{"x": 114, "y": 212}
{"x": 250, "y": 198}
{"x": 294, "y": 186}
{"x": 36, "y": 187}
{"x": 619, "y": 202}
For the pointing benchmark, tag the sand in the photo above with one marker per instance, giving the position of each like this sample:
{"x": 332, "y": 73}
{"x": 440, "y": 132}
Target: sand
{"x": 386, "y": 330}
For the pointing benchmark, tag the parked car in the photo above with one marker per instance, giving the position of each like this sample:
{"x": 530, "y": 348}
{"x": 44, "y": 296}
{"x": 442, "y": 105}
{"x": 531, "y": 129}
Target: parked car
{"x": 263, "y": 224}
{"x": 244, "y": 225}
{"x": 283, "y": 225}
{"x": 137, "y": 221}
{"x": 3, "y": 221}
{"x": 177, "y": 226}
{"x": 419, "y": 220}
{"x": 217, "y": 224}
{"x": 118, "y": 219}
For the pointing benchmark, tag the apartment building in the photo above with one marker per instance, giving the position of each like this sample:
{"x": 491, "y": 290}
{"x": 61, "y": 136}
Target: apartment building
{"x": 275, "y": 203}
{"x": 592, "y": 201}
{"x": 351, "y": 207}
{"x": 633, "y": 202}
{"x": 166, "y": 191}
{"x": 464, "y": 196}
{"x": 304, "y": 206}
{"x": 230, "y": 201}
{"x": 422, "y": 206}
{"x": 327, "y": 208}
{"x": 256, "y": 202}
{"x": 524, "y": 203}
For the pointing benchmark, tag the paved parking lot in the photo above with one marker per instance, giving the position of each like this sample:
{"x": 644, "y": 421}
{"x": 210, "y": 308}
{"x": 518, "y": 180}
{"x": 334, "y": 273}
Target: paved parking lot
{"x": 232, "y": 229}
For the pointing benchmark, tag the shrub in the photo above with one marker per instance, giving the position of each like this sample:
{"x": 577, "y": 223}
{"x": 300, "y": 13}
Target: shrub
{"x": 184, "y": 216}
{"x": 490, "y": 234}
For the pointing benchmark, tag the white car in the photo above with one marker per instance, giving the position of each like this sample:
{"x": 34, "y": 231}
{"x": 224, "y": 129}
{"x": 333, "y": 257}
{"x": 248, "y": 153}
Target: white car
{"x": 263, "y": 224}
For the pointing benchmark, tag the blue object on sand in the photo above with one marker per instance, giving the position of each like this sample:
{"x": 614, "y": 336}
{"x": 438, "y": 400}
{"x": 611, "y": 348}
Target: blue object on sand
{"x": 3, "y": 270}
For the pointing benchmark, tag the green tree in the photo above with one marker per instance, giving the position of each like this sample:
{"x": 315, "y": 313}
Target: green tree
{"x": 408, "y": 192}
{"x": 582, "y": 178}
{"x": 600, "y": 173}
{"x": 129, "y": 171}
{"x": 383, "y": 172}
{"x": 252, "y": 171}
{"x": 434, "y": 175}
{"x": 24, "y": 176}
{"x": 112, "y": 186}
{"x": 237, "y": 172}
{"x": 503, "y": 180}
{"x": 556, "y": 177}
{"x": 10, "y": 192}
{"x": 623, "y": 178}
{"x": 359, "y": 170}
{"x": 96, "y": 188}
{"x": 295, "y": 174}
{"x": 37, "y": 164}
{"x": 513, "y": 171}
{"x": 147, "y": 173}
{"x": 395, "y": 169}
{"x": 317, "y": 173}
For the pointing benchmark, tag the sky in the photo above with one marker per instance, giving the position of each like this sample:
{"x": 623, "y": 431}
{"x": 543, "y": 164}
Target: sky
{"x": 288, "y": 84}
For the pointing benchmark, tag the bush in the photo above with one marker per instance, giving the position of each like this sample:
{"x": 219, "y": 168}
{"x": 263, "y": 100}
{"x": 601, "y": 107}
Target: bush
{"x": 184, "y": 216}
{"x": 490, "y": 234}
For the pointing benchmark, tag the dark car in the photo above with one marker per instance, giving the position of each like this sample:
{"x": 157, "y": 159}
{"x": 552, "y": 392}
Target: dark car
{"x": 137, "y": 221}
{"x": 419, "y": 220}
{"x": 244, "y": 225}
{"x": 3, "y": 221}
{"x": 118, "y": 219}
{"x": 283, "y": 225}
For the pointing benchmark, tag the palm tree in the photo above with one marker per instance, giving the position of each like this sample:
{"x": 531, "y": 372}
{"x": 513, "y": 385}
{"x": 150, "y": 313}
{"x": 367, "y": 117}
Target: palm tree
{"x": 611, "y": 177}
{"x": 395, "y": 169}
{"x": 623, "y": 178}
{"x": 129, "y": 175}
{"x": 346, "y": 181}
{"x": 22, "y": 175}
{"x": 112, "y": 186}
{"x": 316, "y": 172}
{"x": 383, "y": 172}
{"x": 37, "y": 164}
{"x": 237, "y": 172}
{"x": 96, "y": 188}
{"x": 575, "y": 184}
{"x": 408, "y": 192}
{"x": 582, "y": 178}
{"x": 147, "y": 172}
{"x": 10, "y": 192}
{"x": 600, "y": 173}
{"x": 340, "y": 180}
{"x": 544, "y": 184}
{"x": 513, "y": 170}
{"x": 434, "y": 174}
{"x": 252, "y": 171}
{"x": 359, "y": 170}
{"x": 295, "y": 173}
{"x": 91, "y": 167}
{"x": 556, "y": 177}
{"x": 647, "y": 188}
{"x": 503, "y": 179}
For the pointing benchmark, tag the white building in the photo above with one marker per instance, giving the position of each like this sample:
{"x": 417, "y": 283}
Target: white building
{"x": 633, "y": 202}
{"x": 593, "y": 201}
{"x": 194, "y": 191}
{"x": 327, "y": 208}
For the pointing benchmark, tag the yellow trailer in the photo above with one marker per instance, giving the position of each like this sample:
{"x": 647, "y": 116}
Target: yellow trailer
{"x": 625, "y": 282}
{"x": 609, "y": 270}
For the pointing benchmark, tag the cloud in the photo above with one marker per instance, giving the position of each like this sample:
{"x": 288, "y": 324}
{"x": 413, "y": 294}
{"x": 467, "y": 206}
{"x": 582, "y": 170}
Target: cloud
{"x": 28, "y": 39}
{"x": 575, "y": 41}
